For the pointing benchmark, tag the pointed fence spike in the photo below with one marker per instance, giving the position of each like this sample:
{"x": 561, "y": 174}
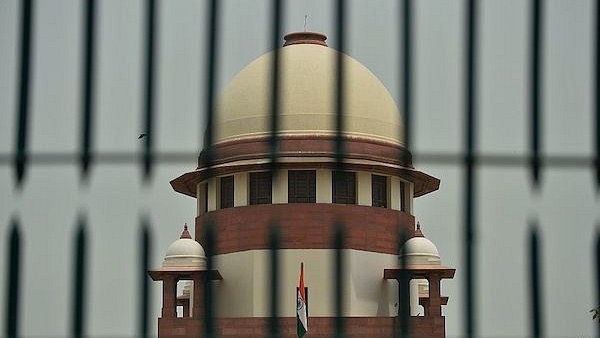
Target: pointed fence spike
{"x": 274, "y": 277}
{"x": 14, "y": 280}
{"x": 79, "y": 280}
{"x": 597, "y": 264}
{"x": 403, "y": 286}
{"x": 145, "y": 302}
{"x": 338, "y": 280}
{"x": 535, "y": 282}
{"x": 209, "y": 295}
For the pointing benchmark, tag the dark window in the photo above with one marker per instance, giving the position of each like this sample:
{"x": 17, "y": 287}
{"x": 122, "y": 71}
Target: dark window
{"x": 226, "y": 192}
{"x": 379, "y": 191}
{"x": 302, "y": 186}
{"x": 344, "y": 187}
{"x": 205, "y": 193}
{"x": 260, "y": 188}
{"x": 402, "y": 196}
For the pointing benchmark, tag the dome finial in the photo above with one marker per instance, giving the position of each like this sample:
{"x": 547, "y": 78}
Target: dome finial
{"x": 185, "y": 233}
{"x": 418, "y": 232}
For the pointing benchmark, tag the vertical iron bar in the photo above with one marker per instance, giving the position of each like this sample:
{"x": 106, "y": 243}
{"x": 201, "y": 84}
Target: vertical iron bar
{"x": 149, "y": 98}
{"x": 340, "y": 19}
{"x": 275, "y": 79}
{"x": 22, "y": 122}
{"x": 597, "y": 97}
{"x": 338, "y": 286}
{"x": 13, "y": 285}
{"x": 79, "y": 280}
{"x": 536, "y": 91}
{"x": 597, "y": 261}
{"x": 88, "y": 88}
{"x": 403, "y": 287}
{"x": 211, "y": 68}
{"x": 407, "y": 72}
{"x": 210, "y": 246}
{"x": 535, "y": 281}
{"x": 469, "y": 179}
{"x": 209, "y": 235}
{"x": 274, "y": 246}
{"x": 144, "y": 283}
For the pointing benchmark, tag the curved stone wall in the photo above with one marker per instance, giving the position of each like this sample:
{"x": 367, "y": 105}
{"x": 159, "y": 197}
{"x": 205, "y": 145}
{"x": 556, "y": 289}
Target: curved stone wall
{"x": 306, "y": 226}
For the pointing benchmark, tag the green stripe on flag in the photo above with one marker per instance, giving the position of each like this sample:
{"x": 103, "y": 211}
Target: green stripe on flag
{"x": 301, "y": 330}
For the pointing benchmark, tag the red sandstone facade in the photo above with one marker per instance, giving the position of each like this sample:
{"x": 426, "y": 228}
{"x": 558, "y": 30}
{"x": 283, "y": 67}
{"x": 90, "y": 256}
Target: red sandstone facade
{"x": 320, "y": 327}
{"x": 306, "y": 226}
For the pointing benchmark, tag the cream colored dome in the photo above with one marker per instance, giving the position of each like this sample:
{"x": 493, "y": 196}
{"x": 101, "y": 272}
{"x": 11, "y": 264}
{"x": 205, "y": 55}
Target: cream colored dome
{"x": 307, "y": 92}
{"x": 420, "y": 251}
{"x": 185, "y": 252}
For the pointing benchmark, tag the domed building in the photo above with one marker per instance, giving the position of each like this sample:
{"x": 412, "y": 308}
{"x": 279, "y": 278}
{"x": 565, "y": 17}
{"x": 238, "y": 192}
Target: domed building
{"x": 308, "y": 195}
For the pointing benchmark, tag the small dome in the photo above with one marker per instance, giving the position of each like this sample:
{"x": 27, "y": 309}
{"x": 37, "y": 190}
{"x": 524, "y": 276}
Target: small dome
{"x": 185, "y": 252}
{"x": 307, "y": 89}
{"x": 420, "y": 251}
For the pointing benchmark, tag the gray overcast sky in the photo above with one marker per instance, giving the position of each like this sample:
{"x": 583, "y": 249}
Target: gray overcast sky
{"x": 52, "y": 197}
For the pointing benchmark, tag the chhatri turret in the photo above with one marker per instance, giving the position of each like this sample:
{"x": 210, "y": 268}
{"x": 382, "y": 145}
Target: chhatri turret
{"x": 185, "y": 260}
{"x": 420, "y": 259}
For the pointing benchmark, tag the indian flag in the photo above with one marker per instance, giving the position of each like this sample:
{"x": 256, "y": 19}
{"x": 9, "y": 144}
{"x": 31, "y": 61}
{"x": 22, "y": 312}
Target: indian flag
{"x": 301, "y": 314}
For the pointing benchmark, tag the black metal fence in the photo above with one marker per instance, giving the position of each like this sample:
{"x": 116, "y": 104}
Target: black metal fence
{"x": 22, "y": 159}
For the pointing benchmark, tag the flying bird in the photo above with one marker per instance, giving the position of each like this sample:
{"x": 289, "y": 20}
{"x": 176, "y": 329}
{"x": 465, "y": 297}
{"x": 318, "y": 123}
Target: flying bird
{"x": 141, "y": 135}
